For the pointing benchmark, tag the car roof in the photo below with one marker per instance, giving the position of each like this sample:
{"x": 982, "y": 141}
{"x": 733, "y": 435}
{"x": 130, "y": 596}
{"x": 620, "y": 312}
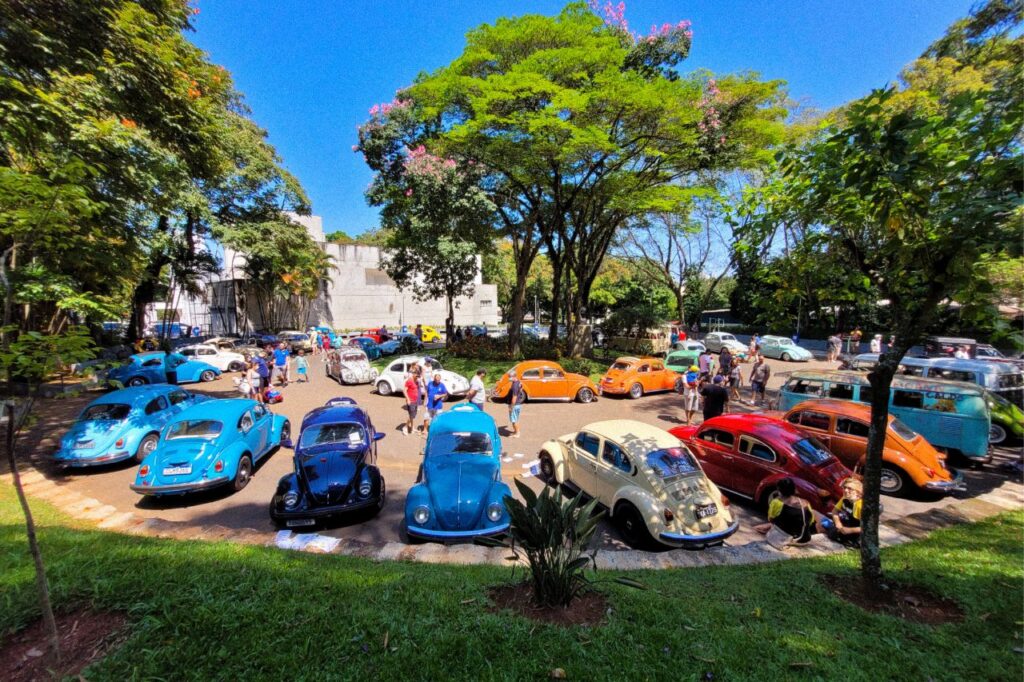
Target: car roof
{"x": 636, "y": 437}
{"x": 463, "y": 418}
{"x": 846, "y": 408}
{"x": 768, "y": 428}
{"x": 918, "y": 383}
{"x": 534, "y": 364}
{"x": 223, "y": 409}
{"x": 147, "y": 355}
{"x": 336, "y": 414}
{"x": 772, "y": 337}
{"x": 969, "y": 364}
{"x": 134, "y": 395}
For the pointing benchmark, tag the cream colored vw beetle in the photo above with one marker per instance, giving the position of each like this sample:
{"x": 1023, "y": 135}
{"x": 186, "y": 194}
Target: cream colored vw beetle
{"x": 650, "y": 482}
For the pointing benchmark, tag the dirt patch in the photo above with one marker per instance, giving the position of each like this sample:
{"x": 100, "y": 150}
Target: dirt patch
{"x": 908, "y": 602}
{"x": 85, "y": 636}
{"x": 588, "y": 609}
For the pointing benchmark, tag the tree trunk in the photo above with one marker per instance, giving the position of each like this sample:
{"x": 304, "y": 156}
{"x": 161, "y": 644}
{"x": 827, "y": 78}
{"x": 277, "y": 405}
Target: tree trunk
{"x": 449, "y": 322}
{"x": 881, "y": 380}
{"x": 516, "y": 321}
{"x": 556, "y": 296}
{"x": 42, "y": 587}
{"x": 680, "y": 295}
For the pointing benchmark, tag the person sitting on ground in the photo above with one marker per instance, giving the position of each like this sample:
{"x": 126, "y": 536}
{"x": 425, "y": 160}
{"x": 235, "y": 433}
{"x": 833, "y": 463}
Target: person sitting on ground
{"x": 846, "y": 515}
{"x": 791, "y": 520}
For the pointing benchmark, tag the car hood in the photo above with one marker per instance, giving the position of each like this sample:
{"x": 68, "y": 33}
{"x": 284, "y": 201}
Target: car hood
{"x": 327, "y": 474}
{"x": 459, "y": 486}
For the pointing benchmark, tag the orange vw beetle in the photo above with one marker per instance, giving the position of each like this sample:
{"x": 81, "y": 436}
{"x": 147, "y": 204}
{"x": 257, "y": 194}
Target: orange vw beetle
{"x": 908, "y": 460}
{"x": 636, "y": 376}
{"x": 546, "y": 380}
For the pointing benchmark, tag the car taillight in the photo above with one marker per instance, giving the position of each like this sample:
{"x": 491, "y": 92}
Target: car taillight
{"x": 725, "y": 501}
{"x": 219, "y": 466}
{"x": 930, "y": 472}
{"x": 119, "y": 443}
{"x": 669, "y": 516}
{"x": 144, "y": 470}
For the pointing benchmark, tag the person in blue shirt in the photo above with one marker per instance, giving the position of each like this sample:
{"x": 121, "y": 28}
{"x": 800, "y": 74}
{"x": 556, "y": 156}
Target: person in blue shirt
{"x": 281, "y": 354}
{"x": 436, "y": 393}
{"x": 263, "y": 373}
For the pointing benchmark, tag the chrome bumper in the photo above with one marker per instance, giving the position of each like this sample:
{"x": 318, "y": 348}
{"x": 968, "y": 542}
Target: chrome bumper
{"x": 93, "y": 461}
{"x": 956, "y": 485}
{"x": 456, "y": 534}
{"x": 684, "y": 540}
{"x": 179, "y": 488}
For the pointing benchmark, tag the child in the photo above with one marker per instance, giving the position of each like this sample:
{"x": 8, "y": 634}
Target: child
{"x": 302, "y": 365}
{"x": 845, "y": 526}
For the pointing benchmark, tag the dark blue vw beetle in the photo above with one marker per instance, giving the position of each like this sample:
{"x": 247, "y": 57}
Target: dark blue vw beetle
{"x": 335, "y": 471}
{"x": 460, "y": 493}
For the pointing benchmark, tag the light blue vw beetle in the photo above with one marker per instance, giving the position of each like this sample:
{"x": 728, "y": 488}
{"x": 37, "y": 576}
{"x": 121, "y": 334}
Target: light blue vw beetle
{"x": 460, "y": 493}
{"x": 122, "y": 425}
{"x": 784, "y": 349}
{"x": 162, "y": 368}
{"x": 213, "y": 444}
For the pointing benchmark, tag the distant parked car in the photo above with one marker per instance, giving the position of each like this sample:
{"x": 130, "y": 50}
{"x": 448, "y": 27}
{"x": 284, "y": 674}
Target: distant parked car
{"x": 392, "y": 379}
{"x": 651, "y": 484}
{"x": 262, "y": 340}
{"x": 784, "y": 349}
{"x": 225, "y": 342}
{"x": 690, "y": 345}
{"x": 296, "y": 341}
{"x": 430, "y": 335}
{"x": 368, "y": 345}
{"x": 402, "y": 341}
{"x": 215, "y": 443}
{"x": 636, "y": 376}
{"x": 335, "y": 471}
{"x": 121, "y": 425}
{"x": 224, "y": 360}
{"x": 546, "y": 380}
{"x": 716, "y": 341}
{"x": 349, "y": 365}
{"x": 459, "y": 493}
{"x": 158, "y": 367}
{"x": 682, "y": 360}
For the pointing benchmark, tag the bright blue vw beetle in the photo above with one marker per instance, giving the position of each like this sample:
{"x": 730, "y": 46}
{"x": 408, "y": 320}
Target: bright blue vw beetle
{"x": 162, "y": 368}
{"x": 368, "y": 345}
{"x": 460, "y": 492}
{"x": 122, "y": 425}
{"x": 335, "y": 468}
{"x": 215, "y": 443}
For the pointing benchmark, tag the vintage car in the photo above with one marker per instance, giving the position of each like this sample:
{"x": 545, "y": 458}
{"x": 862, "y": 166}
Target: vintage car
{"x": 1003, "y": 378}
{"x": 224, "y": 360}
{"x": 296, "y": 340}
{"x": 546, "y": 380}
{"x": 121, "y": 425}
{"x": 214, "y": 443}
{"x": 908, "y": 460}
{"x": 392, "y": 379}
{"x": 349, "y": 365}
{"x": 1007, "y": 419}
{"x": 335, "y": 468}
{"x": 430, "y": 335}
{"x": 682, "y": 360}
{"x": 637, "y": 376}
{"x": 368, "y": 345}
{"x": 783, "y": 349}
{"x": 650, "y": 483}
{"x": 158, "y": 367}
{"x": 716, "y": 341}
{"x": 402, "y": 341}
{"x": 748, "y": 454}
{"x": 228, "y": 343}
{"x": 691, "y": 345}
{"x": 459, "y": 493}
{"x": 262, "y": 340}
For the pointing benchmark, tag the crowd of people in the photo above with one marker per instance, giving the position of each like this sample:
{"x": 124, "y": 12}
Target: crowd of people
{"x": 710, "y": 385}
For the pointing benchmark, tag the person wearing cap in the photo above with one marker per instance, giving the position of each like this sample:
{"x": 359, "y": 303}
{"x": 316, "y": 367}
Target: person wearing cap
{"x": 691, "y": 383}
{"x": 716, "y": 398}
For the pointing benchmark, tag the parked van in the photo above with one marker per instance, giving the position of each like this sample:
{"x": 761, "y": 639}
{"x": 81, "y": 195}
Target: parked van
{"x": 650, "y": 342}
{"x": 951, "y": 415}
{"x": 1002, "y": 378}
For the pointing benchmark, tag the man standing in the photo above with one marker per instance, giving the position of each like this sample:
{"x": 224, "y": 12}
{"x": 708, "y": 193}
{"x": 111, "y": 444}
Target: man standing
{"x": 835, "y": 346}
{"x": 855, "y": 337}
{"x": 716, "y": 398}
{"x": 281, "y": 363}
{"x": 419, "y": 332}
{"x": 690, "y": 395}
{"x": 876, "y": 344}
{"x": 436, "y": 393}
{"x": 725, "y": 362}
{"x": 516, "y": 396}
{"x": 262, "y": 374}
{"x": 477, "y": 390}
{"x": 706, "y": 364}
{"x": 759, "y": 380}
{"x": 412, "y": 399}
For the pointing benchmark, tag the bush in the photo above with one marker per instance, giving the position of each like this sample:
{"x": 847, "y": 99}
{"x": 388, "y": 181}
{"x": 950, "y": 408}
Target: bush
{"x": 584, "y": 366}
{"x": 488, "y": 348}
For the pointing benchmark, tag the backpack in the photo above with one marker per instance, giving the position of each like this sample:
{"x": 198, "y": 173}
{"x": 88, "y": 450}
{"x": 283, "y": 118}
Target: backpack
{"x": 272, "y": 395}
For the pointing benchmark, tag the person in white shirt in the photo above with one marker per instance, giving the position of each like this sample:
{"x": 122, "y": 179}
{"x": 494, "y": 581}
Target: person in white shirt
{"x": 477, "y": 391}
{"x": 962, "y": 353}
{"x": 876, "y": 344}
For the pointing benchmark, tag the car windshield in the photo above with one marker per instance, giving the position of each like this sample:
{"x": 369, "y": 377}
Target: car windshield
{"x": 434, "y": 364}
{"x": 671, "y": 463}
{"x": 621, "y": 366}
{"x": 461, "y": 442}
{"x": 195, "y": 428}
{"x": 727, "y": 337}
{"x": 811, "y": 452}
{"x": 322, "y": 434}
{"x": 784, "y": 342}
{"x": 902, "y": 430}
{"x": 106, "y": 411}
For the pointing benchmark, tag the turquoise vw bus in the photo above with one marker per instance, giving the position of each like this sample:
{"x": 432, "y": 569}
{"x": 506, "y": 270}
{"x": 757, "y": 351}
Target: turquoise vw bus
{"x": 951, "y": 415}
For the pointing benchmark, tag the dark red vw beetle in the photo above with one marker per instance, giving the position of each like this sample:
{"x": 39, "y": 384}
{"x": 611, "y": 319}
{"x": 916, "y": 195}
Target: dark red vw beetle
{"x": 748, "y": 454}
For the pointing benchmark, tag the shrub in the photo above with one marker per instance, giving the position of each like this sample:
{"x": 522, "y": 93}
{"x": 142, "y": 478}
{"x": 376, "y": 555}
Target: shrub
{"x": 584, "y": 366}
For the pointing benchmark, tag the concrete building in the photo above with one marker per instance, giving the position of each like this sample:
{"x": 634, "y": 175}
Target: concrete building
{"x": 358, "y": 295}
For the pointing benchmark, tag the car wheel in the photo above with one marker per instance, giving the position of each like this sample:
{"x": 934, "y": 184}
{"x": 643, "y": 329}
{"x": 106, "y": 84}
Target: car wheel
{"x": 383, "y": 495}
{"x": 137, "y": 381}
{"x": 585, "y": 395}
{"x": 147, "y": 446}
{"x": 383, "y": 388}
{"x": 635, "y": 391}
{"x": 286, "y": 432}
{"x": 207, "y": 376}
{"x": 236, "y": 366}
{"x": 243, "y": 474}
{"x": 996, "y": 434}
{"x": 893, "y": 481}
{"x": 679, "y": 385}
{"x": 785, "y": 357}
{"x": 631, "y": 525}
{"x": 547, "y": 469}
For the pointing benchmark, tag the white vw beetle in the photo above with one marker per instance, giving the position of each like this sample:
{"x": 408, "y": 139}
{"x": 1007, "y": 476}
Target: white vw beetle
{"x": 716, "y": 341}
{"x": 224, "y": 360}
{"x": 392, "y": 379}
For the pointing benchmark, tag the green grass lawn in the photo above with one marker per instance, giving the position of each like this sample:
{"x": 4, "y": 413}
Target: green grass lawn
{"x": 223, "y": 611}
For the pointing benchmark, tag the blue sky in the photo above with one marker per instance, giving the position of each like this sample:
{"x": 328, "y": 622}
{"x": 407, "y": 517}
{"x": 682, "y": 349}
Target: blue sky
{"x": 310, "y": 69}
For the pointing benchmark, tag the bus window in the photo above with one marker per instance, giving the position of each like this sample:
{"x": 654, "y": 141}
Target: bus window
{"x": 806, "y": 387}
{"x": 907, "y": 399}
{"x": 841, "y": 391}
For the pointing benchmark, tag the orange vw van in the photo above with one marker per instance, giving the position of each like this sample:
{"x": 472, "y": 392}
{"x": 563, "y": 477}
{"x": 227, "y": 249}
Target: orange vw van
{"x": 636, "y": 376}
{"x": 546, "y": 380}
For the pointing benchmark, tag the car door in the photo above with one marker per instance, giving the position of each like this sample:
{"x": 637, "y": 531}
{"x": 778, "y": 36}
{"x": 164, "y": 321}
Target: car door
{"x": 249, "y": 433}
{"x": 210, "y": 356}
{"x": 662, "y": 379}
{"x": 153, "y": 370}
{"x": 583, "y": 453}
{"x": 818, "y": 424}
{"x": 158, "y": 411}
{"x": 179, "y": 400}
{"x": 715, "y": 446}
{"x": 263, "y": 423}
{"x": 532, "y": 383}
{"x": 849, "y": 441}
{"x": 755, "y": 460}
{"x": 643, "y": 376}
{"x": 614, "y": 470}
{"x": 555, "y": 383}
{"x": 396, "y": 373}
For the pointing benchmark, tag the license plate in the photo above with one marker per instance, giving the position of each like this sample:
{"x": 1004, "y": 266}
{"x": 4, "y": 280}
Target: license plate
{"x": 707, "y": 510}
{"x": 292, "y": 523}
{"x": 177, "y": 471}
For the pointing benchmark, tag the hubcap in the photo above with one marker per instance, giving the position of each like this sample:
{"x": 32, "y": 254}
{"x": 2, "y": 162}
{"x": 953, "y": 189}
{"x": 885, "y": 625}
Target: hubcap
{"x": 890, "y": 481}
{"x": 149, "y": 445}
{"x": 635, "y": 391}
{"x": 996, "y": 434}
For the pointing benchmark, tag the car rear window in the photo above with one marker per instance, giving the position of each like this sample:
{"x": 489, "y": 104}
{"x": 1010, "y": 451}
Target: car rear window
{"x": 353, "y": 357}
{"x": 322, "y": 434}
{"x": 902, "y": 430}
{"x": 107, "y": 411}
{"x": 461, "y": 442}
{"x": 671, "y": 463}
{"x": 195, "y": 428}
{"x": 811, "y": 452}
{"x": 621, "y": 366}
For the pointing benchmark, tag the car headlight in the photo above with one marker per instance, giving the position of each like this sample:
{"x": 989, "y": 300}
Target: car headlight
{"x": 291, "y": 499}
{"x": 421, "y": 515}
{"x": 494, "y": 512}
{"x": 364, "y": 489}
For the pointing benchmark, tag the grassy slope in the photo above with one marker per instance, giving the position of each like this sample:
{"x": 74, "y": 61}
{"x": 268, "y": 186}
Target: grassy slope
{"x": 217, "y": 610}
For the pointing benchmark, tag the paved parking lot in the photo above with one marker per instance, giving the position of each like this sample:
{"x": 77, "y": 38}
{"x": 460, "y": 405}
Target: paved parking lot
{"x": 399, "y": 458}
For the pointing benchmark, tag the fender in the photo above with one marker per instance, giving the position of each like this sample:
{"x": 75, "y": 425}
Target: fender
{"x": 803, "y": 488}
{"x": 555, "y": 449}
{"x": 231, "y": 456}
{"x": 908, "y": 465}
{"x": 648, "y": 506}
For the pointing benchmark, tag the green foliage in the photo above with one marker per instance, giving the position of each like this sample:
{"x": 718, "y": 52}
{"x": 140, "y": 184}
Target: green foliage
{"x": 639, "y": 308}
{"x": 34, "y": 356}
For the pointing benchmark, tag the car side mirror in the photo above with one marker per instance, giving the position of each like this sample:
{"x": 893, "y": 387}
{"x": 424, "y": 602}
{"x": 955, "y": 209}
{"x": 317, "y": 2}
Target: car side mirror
{"x": 377, "y": 435}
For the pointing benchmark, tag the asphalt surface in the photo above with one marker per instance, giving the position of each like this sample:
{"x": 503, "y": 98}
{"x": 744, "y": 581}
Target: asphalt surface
{"x": 400, "y": 456}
